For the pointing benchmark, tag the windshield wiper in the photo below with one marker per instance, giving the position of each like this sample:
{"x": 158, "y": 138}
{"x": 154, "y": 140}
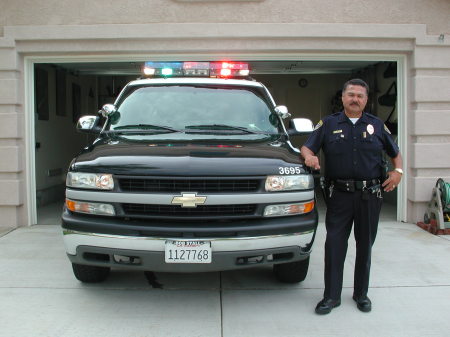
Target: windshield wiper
{"x": 219, "y": 127}
{"x": 143, "y": 127}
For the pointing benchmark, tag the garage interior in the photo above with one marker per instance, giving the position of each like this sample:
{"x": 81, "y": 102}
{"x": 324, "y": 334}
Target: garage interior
{"x": 66, "y": 91}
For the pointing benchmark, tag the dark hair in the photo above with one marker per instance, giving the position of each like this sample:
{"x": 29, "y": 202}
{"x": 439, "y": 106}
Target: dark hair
{"x": 356, "y": 81}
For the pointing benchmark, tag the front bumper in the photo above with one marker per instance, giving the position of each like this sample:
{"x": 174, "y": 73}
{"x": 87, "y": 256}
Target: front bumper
{"x": 147, "y": 253}
{"x": 188, "y": 229}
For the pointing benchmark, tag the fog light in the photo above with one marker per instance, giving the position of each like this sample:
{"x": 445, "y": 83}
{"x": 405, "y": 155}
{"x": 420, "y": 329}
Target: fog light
{"x": 289, "y": 209}
{"x": 90, "y": 207}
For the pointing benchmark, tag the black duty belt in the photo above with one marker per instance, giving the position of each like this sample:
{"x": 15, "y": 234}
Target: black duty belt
{"x": 352, "y": 185}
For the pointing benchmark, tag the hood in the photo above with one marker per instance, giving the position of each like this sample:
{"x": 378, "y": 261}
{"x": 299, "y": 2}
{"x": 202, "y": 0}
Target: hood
{"x": 132, "y": 156}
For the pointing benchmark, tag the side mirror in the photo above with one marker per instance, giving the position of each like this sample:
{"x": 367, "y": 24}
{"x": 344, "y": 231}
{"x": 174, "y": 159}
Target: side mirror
{"x": 300, "y": 126}
{"x": 88, "y": 124}
{"x": 282, "y": 111}
{"x": 107, "y": 110}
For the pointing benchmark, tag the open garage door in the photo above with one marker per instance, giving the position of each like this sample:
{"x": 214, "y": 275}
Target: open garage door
{"x": 65, "y": 91}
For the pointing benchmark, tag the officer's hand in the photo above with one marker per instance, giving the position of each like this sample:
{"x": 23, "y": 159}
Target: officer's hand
{"x": 392, "y": 181}
{"x": 313, "y": 162}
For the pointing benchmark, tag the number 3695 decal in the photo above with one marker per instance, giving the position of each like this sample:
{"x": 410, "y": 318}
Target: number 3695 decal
{"x": 289, "y": 170}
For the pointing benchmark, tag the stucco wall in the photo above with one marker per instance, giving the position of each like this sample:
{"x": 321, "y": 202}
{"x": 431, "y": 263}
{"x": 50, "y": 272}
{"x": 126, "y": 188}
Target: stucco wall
{"x": 259, "y": 30}
{"x": 429, "y": 123}
{"x": 433, "y": 13}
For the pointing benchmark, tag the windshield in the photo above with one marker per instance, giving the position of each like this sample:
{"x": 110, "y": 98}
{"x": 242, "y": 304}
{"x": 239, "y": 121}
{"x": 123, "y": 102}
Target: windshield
{"x": 194, "y": 108}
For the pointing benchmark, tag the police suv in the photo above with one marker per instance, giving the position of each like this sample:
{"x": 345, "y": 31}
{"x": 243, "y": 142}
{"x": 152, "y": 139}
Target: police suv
{"x": 192, "y": 170}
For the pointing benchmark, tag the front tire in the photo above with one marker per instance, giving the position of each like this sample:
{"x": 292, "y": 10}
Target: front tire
{"x": 291, "y": 272}
{"x": 90, "y": 274}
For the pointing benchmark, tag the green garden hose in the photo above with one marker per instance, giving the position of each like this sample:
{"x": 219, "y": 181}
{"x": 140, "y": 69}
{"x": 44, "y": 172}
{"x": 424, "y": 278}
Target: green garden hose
{"x": 445, "y": 194}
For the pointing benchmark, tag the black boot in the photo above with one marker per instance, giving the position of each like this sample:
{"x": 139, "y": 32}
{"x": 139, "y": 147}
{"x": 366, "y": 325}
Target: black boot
{"x": 363, "y": 303}
{"x": 326, "y": 305}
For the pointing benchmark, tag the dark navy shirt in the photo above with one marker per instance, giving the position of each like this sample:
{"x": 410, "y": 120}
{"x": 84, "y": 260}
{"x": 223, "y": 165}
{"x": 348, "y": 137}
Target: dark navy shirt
{"x": 352, "y": 151}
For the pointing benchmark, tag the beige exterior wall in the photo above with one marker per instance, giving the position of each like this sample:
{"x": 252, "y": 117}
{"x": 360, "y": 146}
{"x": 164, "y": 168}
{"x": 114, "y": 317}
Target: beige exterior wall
{"x": 405, "y": 30}
{"x": 433, "y": 13}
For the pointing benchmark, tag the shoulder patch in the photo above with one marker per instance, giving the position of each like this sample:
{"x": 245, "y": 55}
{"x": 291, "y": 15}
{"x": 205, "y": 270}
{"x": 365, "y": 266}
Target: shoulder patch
{"x": 386, "y": 129}
{"x": 318, "y": 125}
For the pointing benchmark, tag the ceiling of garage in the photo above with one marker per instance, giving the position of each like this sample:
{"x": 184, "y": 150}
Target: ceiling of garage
{"x": 257, "y": 67}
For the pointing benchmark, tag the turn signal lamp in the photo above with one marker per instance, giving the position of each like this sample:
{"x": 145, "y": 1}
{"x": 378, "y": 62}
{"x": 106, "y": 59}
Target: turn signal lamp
{"x": 289, "y": 209}
{"x": 90, "y": 207}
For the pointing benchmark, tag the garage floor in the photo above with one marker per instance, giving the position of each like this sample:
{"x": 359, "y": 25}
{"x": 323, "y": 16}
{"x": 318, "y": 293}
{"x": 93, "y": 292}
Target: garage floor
{"x": 50, "y": 214}
{"x": 410, "y": 290}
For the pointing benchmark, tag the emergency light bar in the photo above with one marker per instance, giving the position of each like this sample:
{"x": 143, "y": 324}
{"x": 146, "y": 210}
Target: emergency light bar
{"x": 211, "y": 69}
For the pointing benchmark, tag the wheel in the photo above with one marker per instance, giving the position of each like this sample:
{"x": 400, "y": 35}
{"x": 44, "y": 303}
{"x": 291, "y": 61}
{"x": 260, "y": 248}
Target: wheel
{"x": 90, "y": 274}
{"x": 292, "y": 272}
{"x": 426, "y": 218}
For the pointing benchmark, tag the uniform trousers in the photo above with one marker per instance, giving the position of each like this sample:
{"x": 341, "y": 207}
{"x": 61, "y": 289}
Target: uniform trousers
{"x": 344, "y": 209}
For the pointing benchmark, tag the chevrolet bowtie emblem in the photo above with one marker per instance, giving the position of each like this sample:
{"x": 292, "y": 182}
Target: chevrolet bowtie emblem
{"x": 189, "y": 200}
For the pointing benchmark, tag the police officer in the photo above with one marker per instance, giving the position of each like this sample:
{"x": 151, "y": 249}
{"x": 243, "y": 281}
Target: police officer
{"x": 353, "y": 142}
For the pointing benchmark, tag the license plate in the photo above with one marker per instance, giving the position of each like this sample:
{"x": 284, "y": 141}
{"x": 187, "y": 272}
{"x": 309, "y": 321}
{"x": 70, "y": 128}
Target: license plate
{"x": 188, "y": 252}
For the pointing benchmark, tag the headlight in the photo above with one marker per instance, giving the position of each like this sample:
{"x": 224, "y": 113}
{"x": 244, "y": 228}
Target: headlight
{"x": 90, "y": 207}
{"x": 289, "y": 183}
{"x": 90, "y": 180}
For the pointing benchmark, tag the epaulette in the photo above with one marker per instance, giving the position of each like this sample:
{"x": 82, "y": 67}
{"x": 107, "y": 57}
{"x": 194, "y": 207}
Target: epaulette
{"x": 371, "y": 116}
{"x": 376, "y": 118}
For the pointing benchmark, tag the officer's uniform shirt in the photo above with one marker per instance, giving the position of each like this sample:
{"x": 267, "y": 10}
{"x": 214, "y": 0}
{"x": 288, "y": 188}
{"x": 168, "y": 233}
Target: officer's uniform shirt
{"x": 352, "y": 151}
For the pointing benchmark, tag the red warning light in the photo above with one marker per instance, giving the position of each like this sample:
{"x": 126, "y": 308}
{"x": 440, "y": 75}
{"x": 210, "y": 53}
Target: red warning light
{"x": 227, "y": 69}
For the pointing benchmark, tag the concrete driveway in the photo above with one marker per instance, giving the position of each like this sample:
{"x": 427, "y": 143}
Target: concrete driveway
{"x": 410, "y": 291}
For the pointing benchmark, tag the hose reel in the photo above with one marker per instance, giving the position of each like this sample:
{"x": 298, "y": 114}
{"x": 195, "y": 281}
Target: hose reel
{"x": 439, "y": 206}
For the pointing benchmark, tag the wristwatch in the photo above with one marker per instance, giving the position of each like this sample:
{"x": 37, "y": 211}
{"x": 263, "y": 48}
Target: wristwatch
{"x": 399, "y": 170}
